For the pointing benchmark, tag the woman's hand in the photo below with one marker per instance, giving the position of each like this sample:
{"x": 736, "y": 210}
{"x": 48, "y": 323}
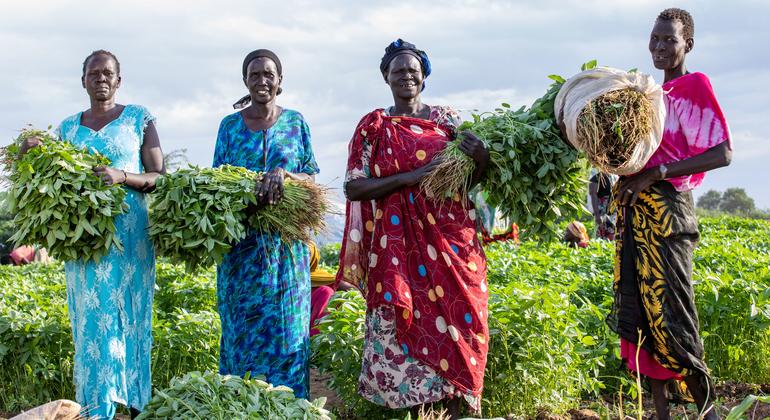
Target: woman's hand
{"x": 110, "y": 176}
{"x": 29, "y": 143}
{"x": 414, "y": 177}
{"x": 270, "y": 191}
{"x": 474, "y": 148}
{"x": 631, "y": 187}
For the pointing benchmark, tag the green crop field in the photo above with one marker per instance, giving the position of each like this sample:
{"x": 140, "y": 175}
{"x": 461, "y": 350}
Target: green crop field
{"x": 550, "y": 348}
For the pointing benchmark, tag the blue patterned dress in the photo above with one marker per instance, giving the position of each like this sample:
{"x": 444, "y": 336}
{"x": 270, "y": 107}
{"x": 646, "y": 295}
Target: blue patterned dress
{"x": 263, "y": 284}
{"x": 110, "y": 302}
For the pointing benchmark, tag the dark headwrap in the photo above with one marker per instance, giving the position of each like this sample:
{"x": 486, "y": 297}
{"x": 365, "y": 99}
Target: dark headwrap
{"x": 246, "y": 100}
{"x": 399, "y": 47}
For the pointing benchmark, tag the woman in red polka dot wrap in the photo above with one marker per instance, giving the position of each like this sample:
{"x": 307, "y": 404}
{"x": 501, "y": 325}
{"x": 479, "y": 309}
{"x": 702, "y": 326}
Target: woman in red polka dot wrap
{"x": 418, "y": 261}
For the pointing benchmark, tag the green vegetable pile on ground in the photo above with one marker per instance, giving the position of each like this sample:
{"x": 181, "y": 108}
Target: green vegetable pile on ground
{"x": 213, "y": 396}
{"x": 534, "y": 178}
{"x": 57, "y": 200}
{"x": 198, "y": 213}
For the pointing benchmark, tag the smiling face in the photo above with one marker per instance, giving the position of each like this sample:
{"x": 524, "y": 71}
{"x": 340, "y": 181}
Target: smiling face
{"x": 101, "y": 78}
{"x": 404, "y": 76}
{"x": 668, "y": 45}
{"x": 262, "y": 80}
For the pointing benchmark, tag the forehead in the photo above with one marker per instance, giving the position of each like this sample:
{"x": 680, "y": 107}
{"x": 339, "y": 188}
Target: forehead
{"x": 405, "y": 60}
{"x": 668, "y": 27}
{"x": 101, "y": 61}
{"x": 261, "y": 64}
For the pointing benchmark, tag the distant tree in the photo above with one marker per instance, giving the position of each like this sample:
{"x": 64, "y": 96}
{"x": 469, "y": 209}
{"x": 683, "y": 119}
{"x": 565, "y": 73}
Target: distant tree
{"x": 710, "y": 200}
{"x": 736, "y": 201}
{"x": 175, "y": 159}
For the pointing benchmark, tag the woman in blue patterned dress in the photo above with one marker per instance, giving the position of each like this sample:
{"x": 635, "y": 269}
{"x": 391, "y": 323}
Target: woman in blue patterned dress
{"x": 263, "y": 284}
{"x": 110, "y": 302}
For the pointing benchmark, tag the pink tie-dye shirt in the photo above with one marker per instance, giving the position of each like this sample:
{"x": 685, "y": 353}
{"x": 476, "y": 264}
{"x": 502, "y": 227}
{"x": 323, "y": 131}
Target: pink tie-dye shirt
{"x": 694, "y": 124}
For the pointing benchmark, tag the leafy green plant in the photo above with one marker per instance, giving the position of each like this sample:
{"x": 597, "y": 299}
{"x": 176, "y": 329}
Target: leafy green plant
{"x": 184, "y": 341}
{"x": 534, "y": 177}
{"x": 737, "y": 412}
{"x": 549, "y": 345}
{"x": 199, "y": 213}
{"x": 212, "y": 396}
{"x": 338, "y": 349}
{"x": 179, "y": 289}
{"x": 330, "y": 256}
{"x": 57, "y": 200}
{"x": 36, "y": 350}
{"x": 35, "y": 337}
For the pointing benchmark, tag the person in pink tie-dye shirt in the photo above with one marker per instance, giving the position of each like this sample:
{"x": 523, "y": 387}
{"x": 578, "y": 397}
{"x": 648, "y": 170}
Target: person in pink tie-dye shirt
{"x": 654, "y": 310}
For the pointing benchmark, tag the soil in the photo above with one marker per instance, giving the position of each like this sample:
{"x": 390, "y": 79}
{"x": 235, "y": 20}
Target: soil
{"x": 729, "y": 394}
{"x": 318, "y": 388}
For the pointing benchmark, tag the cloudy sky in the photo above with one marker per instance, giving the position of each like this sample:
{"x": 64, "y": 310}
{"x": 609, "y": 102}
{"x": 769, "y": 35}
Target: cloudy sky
{"x": 182, "y": 60}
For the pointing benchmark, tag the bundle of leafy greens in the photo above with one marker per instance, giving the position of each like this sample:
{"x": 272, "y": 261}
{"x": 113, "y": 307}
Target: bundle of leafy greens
{"x": 213, "y": 396}
{"x": 58, "y": 202}
{"x": 197, "y": 214}
{"x": 534, "y": 177}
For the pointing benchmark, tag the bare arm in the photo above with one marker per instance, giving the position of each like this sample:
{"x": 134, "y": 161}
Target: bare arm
{"x": 716, "y": 157}
{"x": 373, "y": 188}
{"x": 152, "y": 159}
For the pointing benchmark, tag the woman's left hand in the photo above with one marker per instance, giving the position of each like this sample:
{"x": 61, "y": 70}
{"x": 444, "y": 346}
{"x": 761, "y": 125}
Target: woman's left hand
{"x": 110, "y": 176}
{"x": 631, "y": 187}
{"x": 474, "y": 148}
{"x": 271, "y": 190}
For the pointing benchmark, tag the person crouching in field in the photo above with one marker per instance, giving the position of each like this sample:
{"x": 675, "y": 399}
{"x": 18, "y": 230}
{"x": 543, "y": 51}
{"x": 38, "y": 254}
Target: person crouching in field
{"x": 654, "y": 302}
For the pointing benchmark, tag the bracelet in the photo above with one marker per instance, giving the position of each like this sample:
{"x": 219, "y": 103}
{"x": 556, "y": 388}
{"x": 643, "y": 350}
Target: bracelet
{"x": 125, "y": 177}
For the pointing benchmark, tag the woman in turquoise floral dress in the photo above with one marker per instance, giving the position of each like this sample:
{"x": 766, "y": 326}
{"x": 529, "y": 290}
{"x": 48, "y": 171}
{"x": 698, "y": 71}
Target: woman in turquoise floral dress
{"x": 263, "y": 284}
{"x": 110, "y": 302}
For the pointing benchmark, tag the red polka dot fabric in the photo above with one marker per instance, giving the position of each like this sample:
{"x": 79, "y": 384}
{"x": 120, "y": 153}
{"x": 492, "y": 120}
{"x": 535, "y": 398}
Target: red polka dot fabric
{"x": 419, "y": 255}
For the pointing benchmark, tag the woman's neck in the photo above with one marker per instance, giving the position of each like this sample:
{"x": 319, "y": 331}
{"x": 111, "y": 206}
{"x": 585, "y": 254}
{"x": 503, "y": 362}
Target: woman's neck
{"x": 101, "y": 108}
{"x": 267, "y": 111}
{"x": 412, "y": 107}
{"x": 676, "y": 72}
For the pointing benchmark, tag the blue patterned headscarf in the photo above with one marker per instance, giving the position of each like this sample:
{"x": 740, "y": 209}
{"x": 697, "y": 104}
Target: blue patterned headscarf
{"x": 399, "y": 47}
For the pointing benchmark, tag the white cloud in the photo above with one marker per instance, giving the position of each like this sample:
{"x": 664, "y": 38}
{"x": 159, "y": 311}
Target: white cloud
{"x": 182, "y": 60}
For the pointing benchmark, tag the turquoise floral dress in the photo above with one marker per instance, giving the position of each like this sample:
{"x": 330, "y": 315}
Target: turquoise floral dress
{"x": 110, "y": 302}
{"x": 263, "y": 284}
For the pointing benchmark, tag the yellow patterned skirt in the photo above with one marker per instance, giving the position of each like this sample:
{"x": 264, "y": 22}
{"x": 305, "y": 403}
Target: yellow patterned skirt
{"x": 654, "y": 302}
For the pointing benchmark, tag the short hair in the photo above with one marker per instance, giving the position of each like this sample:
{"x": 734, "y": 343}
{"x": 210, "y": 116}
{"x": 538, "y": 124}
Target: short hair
{"x": 101, "y": 52}
{"x": 688, "y": 25}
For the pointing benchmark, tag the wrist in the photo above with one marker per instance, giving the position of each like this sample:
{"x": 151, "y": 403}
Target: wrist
{"x": 280, "y": 172}
{"x": 412, "y": 178}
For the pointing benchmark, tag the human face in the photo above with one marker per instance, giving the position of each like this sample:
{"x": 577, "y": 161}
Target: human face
{"x": 101, "y": 79}
{"x": 404, "y": 76}
{"x": 262, "y": 80}
{"x": 668, "y": 45}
